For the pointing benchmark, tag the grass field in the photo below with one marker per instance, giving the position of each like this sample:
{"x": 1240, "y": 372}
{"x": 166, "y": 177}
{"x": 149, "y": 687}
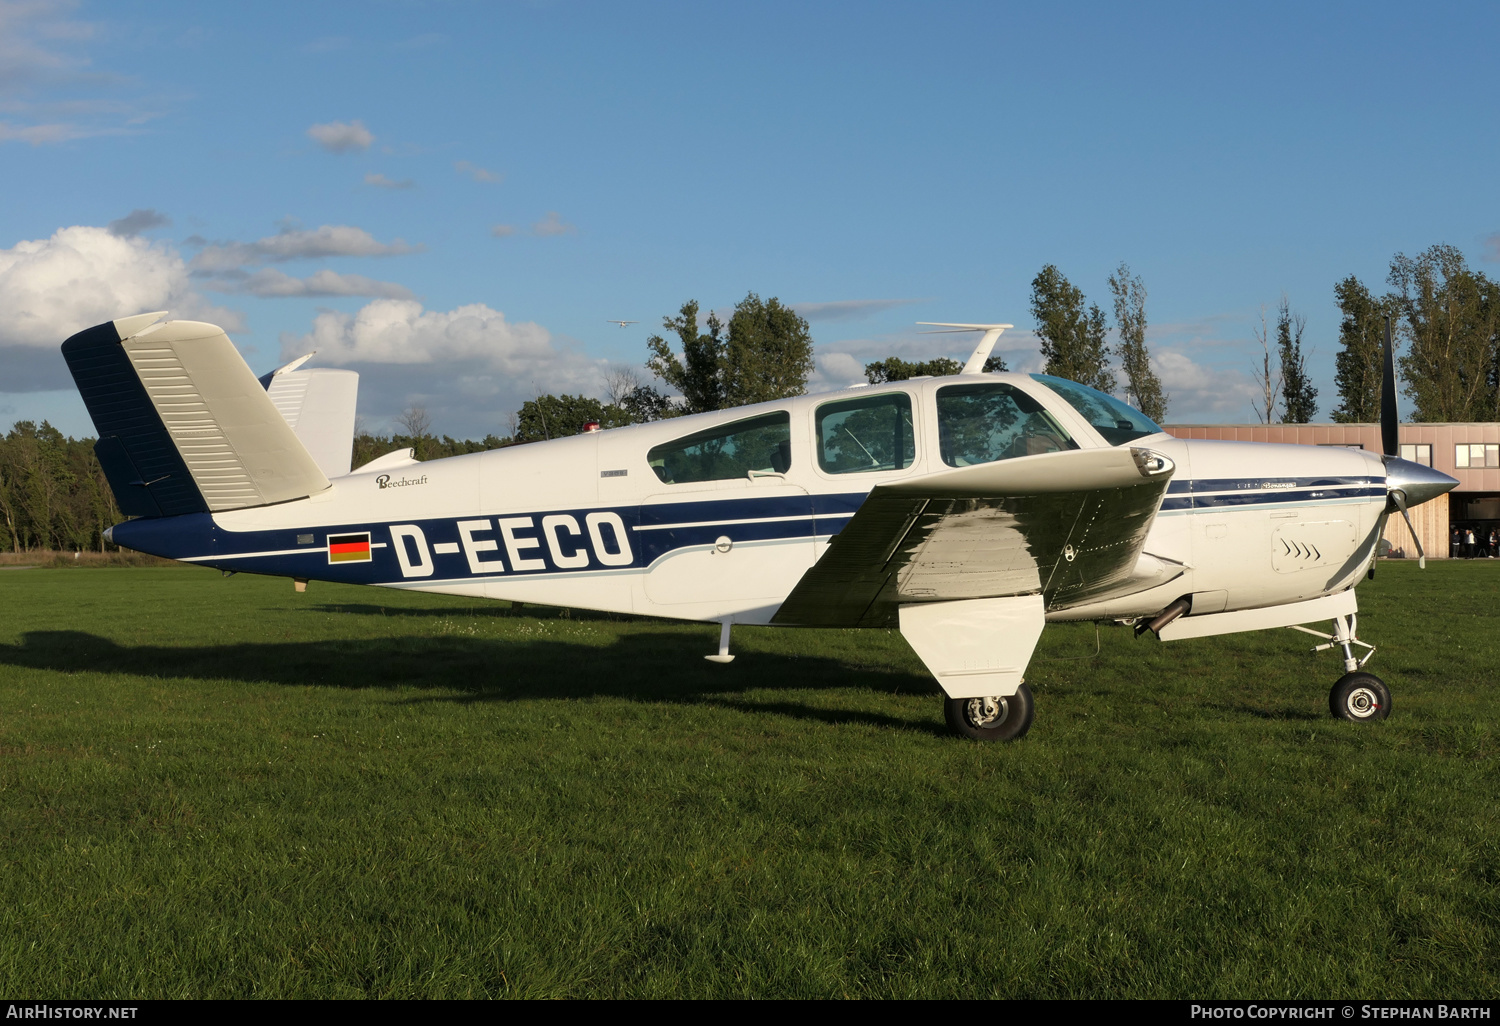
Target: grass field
{"x": 221, "y": 788}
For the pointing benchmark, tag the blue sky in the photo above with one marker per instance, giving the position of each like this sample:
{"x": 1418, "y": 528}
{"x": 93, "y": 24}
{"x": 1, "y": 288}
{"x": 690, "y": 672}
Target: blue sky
{"x": 454, "y": 198}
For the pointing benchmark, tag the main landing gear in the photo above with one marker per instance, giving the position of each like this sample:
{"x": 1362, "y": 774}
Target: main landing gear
{"x": 1357, "y": 696}
{"x": 991, "y": 719}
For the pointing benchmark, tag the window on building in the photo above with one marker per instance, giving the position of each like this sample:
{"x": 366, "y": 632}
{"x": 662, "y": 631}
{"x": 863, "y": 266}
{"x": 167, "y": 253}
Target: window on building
{"x": 983, "y": 423}
{"x": 762, "y": 444}
{"x": 1340, "y": 445}
{"x": 858, "y": 436}
{"x": 1473, "y": 455}
{"x": 1417, "y": 453}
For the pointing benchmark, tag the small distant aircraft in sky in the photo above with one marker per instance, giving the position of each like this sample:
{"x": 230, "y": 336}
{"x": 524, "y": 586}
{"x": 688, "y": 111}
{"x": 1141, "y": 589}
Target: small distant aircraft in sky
{"x": 624, "y": 323}
{"x": 968, "y": 511}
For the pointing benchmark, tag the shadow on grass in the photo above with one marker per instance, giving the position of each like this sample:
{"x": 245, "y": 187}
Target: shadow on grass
{"x": 647, "y": 667}
{"x": 490, "y": 609}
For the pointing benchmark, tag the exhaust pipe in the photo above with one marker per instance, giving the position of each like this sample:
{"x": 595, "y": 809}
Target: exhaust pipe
{"x": 1165, "y": 617}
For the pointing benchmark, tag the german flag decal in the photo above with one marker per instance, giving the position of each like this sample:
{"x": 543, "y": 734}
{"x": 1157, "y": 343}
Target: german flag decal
{"x": 349, "y": 548}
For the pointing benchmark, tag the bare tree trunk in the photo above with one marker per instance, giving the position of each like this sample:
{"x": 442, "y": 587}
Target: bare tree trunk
{"x": 1268, "y": 380}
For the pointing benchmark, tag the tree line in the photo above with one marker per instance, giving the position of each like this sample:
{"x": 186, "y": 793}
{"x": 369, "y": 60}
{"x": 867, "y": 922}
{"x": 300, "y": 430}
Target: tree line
{"x": 53, "y": 494}
{"x": 1446, "y": 318}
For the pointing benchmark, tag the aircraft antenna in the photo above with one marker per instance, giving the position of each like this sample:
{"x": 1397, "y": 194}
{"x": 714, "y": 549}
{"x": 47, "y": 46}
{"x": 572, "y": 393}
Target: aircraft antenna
{"x": 992, "y": 333}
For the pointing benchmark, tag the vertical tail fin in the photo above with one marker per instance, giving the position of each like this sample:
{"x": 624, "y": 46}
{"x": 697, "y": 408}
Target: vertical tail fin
{"x": 319, "y": 405}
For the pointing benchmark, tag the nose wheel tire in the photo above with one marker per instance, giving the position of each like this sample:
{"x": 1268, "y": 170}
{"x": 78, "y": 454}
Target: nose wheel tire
{"x": 991, "y": 719}
{"x": 1360, "y": 697}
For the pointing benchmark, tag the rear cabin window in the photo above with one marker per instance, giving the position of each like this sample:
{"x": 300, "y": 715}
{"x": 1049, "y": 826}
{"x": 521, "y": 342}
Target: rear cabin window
{"x": 1114, "y": 420}
{"x": 863, "y": 435}
{"x": 983, "y": 423}
{"x": 728, "y": 451}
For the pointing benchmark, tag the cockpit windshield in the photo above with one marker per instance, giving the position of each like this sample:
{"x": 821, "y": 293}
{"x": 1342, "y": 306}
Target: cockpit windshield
{"x": 1114, "y": 420}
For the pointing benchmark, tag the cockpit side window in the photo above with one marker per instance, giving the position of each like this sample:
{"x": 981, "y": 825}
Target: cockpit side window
{"x": 1114, "y": 420}
{"x": 728, "y": 451}
{"x": 867, "y": 434}
{"x": 982, "y": 423}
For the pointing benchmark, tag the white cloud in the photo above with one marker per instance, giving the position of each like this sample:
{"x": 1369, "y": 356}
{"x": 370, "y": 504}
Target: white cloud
{"x": 1205, "y": 366}
{"x": 1492, "y": 246}
{"x": 401, "y": 331}
{"x": 501, "y": 231}
{"x": 470, "y": 366}
{"x": 341, "y": 136}
{"x": 272, "y": 283}
{"x": 478, "y": 173}
{"x": 382, "y": 182}
{"x": 48, "y": 83}
{"x": 138, "y": 221}
{"x": 848, "y": 309}
{"x": 38, "y": 135}
{"x": 1202, "y": 394}
{"x": 552, "y": 225}
{"x": 82, "y": 276}
{"x": 297, "y": 244}
{"x": 833, "y": 371}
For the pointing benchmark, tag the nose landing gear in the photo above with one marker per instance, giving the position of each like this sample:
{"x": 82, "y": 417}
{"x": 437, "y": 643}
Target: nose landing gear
{"x": 1356, "y": 696}
{"x": 1360, "y": 697}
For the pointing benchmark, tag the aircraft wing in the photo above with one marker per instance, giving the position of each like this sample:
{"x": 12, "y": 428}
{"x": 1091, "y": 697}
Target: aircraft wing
{"x": 1066, "y": 525}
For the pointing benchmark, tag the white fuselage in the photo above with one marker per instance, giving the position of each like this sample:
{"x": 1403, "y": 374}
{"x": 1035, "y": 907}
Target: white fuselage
{"x": 585, "y": 522}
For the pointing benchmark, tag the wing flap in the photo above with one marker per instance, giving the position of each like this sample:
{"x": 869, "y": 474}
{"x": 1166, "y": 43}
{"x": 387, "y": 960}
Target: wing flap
{"x": 1068, "y": 526}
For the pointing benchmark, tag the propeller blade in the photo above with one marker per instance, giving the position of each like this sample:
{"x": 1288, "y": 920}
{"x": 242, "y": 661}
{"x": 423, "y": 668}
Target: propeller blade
{"x": 1390, "y": 427}
{"x": 1401, "y": 505}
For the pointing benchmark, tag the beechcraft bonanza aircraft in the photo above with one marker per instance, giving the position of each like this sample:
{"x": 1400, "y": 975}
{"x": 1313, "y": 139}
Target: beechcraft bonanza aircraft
{"x": 968, "y": 510}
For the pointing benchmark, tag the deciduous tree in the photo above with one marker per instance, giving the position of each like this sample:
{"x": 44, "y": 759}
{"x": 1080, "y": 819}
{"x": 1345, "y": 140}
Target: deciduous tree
{"x": 1142, "y": 386}
{"x": 769, "y": 353}
{"x": 1268, "y": 377}
{"x": 1451, "y": 324}
{"x": 632, "y": 401}
{"x": 415, "y": 422}
{"x": 1299, "y": 399}
{"x": 1072, "y": 335}
{"x": 766, "y": 353}
{"x": 698, "y": 374}
{"x": 557, "y": 416}
{"x": 1359, "y": 367}
{"x": 893, "y": 368}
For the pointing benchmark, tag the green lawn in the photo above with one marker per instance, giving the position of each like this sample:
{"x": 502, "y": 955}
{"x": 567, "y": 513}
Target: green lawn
{"x": 221, "y": 788}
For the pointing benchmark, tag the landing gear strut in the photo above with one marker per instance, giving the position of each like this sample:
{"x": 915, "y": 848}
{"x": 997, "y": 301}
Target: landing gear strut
{"x": 991, "y": 719}
{"x": 1356, "y": 696}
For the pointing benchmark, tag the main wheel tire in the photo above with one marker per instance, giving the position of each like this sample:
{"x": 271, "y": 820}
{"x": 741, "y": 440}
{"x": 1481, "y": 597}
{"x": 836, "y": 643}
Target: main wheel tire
{"x": 1360, "y": 697}
{"x": 991, "y": 719}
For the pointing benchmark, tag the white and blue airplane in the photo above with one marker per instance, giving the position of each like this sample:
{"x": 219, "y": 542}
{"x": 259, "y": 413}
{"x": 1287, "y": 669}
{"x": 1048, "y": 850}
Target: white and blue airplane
{"x": 968, "y": 511}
